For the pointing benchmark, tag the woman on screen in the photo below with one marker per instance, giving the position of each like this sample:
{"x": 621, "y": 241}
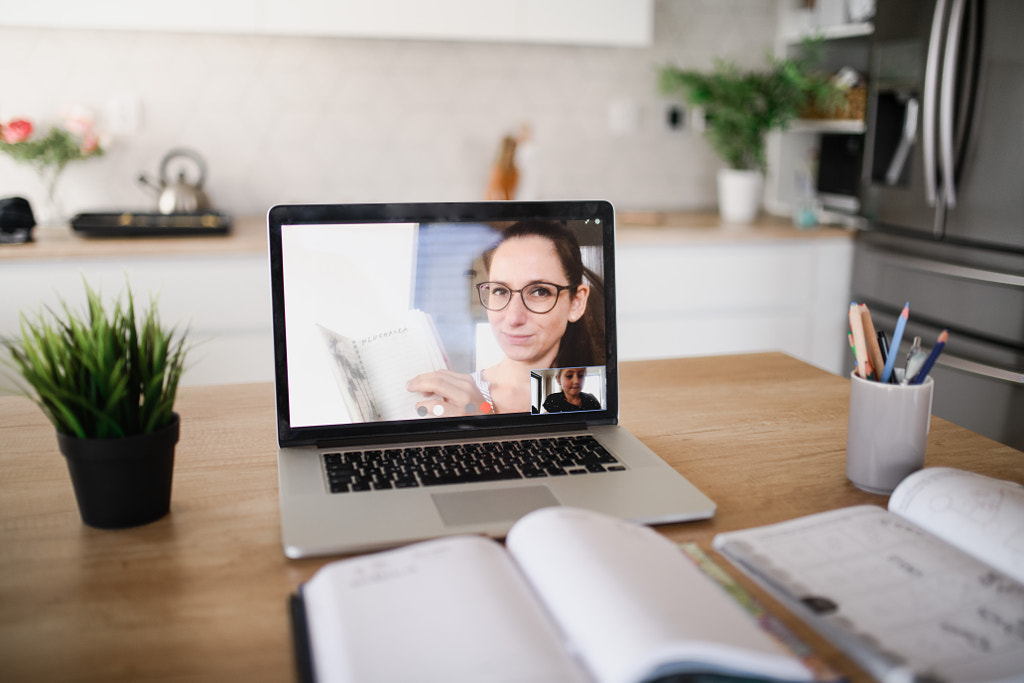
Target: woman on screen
{"x": 545, "y": 309}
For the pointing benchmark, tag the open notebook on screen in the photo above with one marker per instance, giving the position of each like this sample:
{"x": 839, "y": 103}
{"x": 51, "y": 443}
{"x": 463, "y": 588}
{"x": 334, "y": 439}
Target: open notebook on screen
{"x": 448, "y": 367}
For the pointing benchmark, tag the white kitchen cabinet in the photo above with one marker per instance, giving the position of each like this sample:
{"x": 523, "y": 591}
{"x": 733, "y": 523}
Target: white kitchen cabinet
{"x": 681, "y": 291}
{"x": 584, "y": 22}
{"x": 216, "y": 16}
{"x": 683, "y": 299}
{"x": 223, "y": 300}
{"x": 626, "y": 23}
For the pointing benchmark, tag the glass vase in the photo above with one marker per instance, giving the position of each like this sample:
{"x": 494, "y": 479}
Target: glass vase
{"x": 51, "y": 211}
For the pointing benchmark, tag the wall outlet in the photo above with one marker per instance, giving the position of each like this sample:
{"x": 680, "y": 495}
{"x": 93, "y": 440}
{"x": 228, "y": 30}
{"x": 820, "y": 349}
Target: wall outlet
{"x": 675, "y": 117}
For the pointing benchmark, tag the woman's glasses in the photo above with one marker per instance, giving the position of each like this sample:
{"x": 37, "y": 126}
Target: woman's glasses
{"x": 539, "y": 297}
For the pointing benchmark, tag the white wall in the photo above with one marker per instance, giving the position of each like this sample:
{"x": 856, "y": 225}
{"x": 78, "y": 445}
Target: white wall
{"x": 293, "y": 119}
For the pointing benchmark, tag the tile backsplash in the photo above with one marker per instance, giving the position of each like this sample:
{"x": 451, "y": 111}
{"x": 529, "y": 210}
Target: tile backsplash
{"x": 299, "y": 119}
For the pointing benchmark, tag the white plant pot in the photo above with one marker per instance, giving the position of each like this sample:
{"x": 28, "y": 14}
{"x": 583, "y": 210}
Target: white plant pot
{"x": 739, "y": 195}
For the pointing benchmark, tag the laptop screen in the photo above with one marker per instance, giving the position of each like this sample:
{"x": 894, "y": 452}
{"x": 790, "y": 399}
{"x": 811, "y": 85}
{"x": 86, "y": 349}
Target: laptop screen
{"x": 408, "y": 319}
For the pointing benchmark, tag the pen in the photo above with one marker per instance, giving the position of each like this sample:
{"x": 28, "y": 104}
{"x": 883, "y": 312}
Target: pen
{"x": 915, "y": 347}
{"x": 884, "y": 347}
{"x": 897, "y": 337}
{"x": 859, "y": 345}
{"x": 874, "y": 351}
{"x": 930, "y": 361}
{"x": 915, "y": 359}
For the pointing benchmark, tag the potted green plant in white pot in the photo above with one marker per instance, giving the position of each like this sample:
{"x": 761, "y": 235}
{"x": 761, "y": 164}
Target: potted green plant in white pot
{"x": 741, "y": 108}
{"x": 107, "y": 381}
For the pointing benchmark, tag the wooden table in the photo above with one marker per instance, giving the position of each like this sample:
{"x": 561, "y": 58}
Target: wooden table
{"x": 201, "y": 594}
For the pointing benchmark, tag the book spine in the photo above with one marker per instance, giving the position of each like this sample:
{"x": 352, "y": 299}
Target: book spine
{"x": 300, "y": 639}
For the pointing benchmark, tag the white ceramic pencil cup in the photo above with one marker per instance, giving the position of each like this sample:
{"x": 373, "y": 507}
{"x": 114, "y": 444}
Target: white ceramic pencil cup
{"x": 887, "y": 432}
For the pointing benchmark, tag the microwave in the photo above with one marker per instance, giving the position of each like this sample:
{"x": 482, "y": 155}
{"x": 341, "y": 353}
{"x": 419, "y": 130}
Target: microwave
{"x": 839, "y": 171}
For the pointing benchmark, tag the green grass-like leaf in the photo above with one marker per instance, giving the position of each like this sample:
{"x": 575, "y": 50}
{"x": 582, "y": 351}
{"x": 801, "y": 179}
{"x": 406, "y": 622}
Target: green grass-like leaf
{"x": 103, "y": 373}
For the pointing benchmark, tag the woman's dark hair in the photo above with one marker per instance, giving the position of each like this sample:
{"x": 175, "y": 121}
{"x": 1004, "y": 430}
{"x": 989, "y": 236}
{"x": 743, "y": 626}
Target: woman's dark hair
{"x": 583, "y": 341}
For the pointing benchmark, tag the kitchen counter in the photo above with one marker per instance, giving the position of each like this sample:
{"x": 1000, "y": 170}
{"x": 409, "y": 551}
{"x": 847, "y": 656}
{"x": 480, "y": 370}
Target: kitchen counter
{"x": 217, "y": 286}
{"x": 248, "y": 236}
{"x": 650, "y": 227}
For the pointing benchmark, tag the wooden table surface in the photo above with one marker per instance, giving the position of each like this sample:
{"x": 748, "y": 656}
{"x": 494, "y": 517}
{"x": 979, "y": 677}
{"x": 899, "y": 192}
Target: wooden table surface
{"x": 201, "y": 594}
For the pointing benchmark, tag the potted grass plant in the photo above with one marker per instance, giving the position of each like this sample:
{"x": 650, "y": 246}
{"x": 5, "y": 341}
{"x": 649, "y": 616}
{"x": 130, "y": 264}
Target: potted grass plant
{"x": 107, "y": 380}
{"x": 740, "y": 109}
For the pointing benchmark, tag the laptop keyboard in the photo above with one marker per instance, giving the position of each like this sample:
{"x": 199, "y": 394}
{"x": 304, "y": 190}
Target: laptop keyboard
{"x": 466, "y": 463}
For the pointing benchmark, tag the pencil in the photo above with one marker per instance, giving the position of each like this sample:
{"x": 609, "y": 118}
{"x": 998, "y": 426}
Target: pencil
{"x": 874, "y": 350}
{"x": 897, "y": 337}
{"x": 859, "y": 345}
{"x": 932, "y": 357}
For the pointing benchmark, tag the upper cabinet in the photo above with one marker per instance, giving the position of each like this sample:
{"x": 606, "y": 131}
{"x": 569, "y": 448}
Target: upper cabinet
{"x": 216, "y": 16}
{"x": 573, "y": 22}
{"x": 623, "y": 23}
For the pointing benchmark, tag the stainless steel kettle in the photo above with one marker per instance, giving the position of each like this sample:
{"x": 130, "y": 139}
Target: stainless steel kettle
{"x": 179, "y": 195}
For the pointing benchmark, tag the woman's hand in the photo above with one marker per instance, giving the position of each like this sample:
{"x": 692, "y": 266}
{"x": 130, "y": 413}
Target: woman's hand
{"x": 448, "y": 394}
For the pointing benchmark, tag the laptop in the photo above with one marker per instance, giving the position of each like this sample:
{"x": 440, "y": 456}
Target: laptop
{"x": 446, "y": 368}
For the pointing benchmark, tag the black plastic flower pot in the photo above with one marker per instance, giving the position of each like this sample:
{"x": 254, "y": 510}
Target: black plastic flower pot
{"x": 122, "y": 482}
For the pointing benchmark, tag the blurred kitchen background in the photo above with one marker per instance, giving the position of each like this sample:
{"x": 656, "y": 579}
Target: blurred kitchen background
{"x": 282, "y": 118}
{"x": 410, "y": 100}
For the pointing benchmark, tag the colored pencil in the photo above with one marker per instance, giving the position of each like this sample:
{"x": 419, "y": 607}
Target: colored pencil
{"x": 874, "y": 350}
{"x": 859, "y": 344}
{"x": 930, "y": 361}
{"x": 894, "y": 347}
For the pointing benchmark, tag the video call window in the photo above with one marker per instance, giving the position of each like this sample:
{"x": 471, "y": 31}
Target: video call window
{"x": 561, "y": 390}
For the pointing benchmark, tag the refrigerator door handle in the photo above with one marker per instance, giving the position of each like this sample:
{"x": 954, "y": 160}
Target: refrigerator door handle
{"x": 947, "y": 102}
{"x": 952, "y": 270}
{"x": 931, "y": 84}
{"x": 899, "y": 158}
{"x": 975, "y": 368}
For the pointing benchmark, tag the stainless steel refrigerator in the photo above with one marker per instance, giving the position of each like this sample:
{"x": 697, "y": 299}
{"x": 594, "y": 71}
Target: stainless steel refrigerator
{"x": 942, "y": 188}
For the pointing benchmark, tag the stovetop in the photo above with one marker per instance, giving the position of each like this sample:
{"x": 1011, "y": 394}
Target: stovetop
{"x": 145, "y": 224}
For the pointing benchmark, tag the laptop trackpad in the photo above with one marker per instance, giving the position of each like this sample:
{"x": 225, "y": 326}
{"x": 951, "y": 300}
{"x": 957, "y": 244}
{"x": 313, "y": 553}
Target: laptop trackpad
{"x": 492, "y": 505}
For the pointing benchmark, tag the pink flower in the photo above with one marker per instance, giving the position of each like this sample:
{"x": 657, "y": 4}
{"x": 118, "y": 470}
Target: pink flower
{"x": 90, "y": 141}
{"x": 16, "y": 131}
{"x": 79, "y": 121}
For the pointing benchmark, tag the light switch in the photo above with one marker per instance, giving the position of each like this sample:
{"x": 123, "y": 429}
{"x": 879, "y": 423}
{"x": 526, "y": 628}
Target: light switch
{"x": 124, "y": 115}
{"x": 623, "y": 117}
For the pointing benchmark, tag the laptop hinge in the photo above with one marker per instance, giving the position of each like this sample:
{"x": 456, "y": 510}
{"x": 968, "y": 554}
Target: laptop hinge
{"x": 475, "y": 434}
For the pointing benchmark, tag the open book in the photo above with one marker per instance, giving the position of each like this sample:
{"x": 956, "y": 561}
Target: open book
{"x": 372, "y": 369}
{"x": 931, "y": 588}
{"x": 574, "y": 596}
